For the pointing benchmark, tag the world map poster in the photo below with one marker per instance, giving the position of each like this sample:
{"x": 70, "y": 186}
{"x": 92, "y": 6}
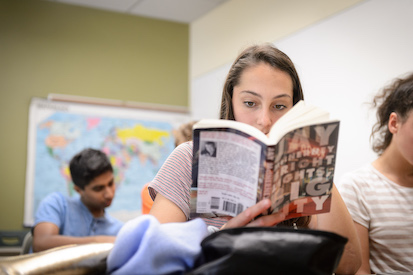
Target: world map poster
{"x": 137, "y": 143}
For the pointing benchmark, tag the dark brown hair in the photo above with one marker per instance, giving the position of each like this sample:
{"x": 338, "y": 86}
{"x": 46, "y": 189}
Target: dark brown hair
{"x": 396, "y": 97}
{"x": 250, "y": 57}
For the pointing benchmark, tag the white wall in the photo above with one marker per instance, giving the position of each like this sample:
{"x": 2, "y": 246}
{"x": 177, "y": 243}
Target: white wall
{"x": 216, "y": 37}
{"x": 342, "y": 61}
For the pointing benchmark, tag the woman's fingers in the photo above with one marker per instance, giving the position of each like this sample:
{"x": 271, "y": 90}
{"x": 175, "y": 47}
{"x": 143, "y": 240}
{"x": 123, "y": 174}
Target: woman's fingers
{"x": 273, "y": 219}
{"x": 247, "y": 215}
{"x": 268, "y": 220}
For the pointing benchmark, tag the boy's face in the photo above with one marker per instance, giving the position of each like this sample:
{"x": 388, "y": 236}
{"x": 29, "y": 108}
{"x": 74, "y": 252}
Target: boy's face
{"x": 99, "y": 193}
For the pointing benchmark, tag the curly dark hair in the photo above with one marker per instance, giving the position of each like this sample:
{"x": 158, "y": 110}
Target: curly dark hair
{"x": 396, "y": 97}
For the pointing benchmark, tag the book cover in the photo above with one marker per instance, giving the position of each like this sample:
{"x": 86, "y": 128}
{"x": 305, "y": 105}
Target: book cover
{"x": 235, "y": 166}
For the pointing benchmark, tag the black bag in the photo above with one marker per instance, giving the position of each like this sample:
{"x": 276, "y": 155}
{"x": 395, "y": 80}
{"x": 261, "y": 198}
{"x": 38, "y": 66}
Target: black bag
{"x": 270, "y": 250}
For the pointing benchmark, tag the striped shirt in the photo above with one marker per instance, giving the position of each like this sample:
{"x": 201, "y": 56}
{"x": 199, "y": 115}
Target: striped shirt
{"x": 386, "y": 210}
{"x": 174, "y": 181}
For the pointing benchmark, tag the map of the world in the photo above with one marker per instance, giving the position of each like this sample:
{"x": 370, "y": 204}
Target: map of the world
{"x": 137, "y": 144}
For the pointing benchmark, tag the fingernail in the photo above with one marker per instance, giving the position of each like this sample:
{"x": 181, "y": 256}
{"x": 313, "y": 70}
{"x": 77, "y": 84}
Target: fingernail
{"x": 266, "y": 202}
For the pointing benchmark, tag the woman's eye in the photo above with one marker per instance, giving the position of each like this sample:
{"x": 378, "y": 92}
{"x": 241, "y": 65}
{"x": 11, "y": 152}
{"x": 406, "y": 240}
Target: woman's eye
{"x": 280, "y": 107}
{"x": 249, "y": 103}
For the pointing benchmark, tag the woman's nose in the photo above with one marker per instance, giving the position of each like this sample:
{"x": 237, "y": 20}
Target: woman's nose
{"x": 264, "y": 120}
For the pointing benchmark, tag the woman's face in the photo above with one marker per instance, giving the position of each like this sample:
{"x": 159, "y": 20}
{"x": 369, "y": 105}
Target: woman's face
{"x": 403, "y": 138}
{"x": 262, "y": 96}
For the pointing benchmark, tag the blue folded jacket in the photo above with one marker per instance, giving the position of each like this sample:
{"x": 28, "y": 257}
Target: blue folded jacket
{"x": 144, "y": 246}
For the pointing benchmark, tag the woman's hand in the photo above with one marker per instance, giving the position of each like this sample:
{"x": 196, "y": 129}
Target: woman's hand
{"x": 247, "y": 217}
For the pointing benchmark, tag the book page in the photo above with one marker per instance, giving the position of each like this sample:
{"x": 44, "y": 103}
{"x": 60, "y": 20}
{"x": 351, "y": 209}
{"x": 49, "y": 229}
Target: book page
{"x": 236, "y": 125}
{"x": 227, "y": 168}
{"x": 300, "y": 115}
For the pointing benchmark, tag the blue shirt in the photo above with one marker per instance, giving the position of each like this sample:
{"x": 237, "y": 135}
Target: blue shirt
{"x": 73, "y": 218}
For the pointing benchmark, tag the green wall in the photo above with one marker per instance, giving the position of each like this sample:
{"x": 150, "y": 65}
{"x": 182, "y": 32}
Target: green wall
{"x": 48, "y": 47}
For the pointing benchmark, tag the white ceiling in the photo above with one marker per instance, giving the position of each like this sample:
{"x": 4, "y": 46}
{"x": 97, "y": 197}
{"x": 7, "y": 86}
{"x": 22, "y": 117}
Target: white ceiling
{"x": 183, "y": 11}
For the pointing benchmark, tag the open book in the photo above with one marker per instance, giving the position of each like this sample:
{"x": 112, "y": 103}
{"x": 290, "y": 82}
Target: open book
{"x": 235, "y": 165}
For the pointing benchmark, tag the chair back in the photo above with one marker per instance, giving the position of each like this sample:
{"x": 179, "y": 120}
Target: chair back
{"x": 27, "y": 243}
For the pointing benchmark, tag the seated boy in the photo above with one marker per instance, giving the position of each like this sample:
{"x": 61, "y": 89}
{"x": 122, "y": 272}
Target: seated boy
{"x": 60, "y": 220}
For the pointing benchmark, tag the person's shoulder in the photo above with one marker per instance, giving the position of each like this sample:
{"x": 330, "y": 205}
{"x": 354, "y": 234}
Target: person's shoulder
{"x": 185, "y": 145}
{"x": 184, "y": 149}
{"x": 360, "y": 176}
{"x": 55, "y": 197}
{"x": 362, "y": 171}
{"x": 51, "y": 208}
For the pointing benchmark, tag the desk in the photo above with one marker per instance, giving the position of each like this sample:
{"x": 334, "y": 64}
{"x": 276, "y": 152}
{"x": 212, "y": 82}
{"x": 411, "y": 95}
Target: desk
{"x": 10, "y": 251}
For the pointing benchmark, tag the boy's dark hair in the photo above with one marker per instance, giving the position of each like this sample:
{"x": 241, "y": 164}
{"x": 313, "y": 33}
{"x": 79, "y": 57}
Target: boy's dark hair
{"x": 87, "y": 165}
